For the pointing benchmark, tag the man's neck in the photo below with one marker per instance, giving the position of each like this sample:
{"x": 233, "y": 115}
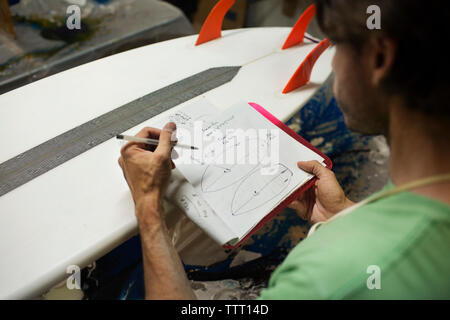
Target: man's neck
{"x": 420, "y": 148}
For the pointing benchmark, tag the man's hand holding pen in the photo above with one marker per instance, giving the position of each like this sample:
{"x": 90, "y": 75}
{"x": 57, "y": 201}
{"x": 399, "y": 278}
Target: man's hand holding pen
{"x": 147, "y": 170}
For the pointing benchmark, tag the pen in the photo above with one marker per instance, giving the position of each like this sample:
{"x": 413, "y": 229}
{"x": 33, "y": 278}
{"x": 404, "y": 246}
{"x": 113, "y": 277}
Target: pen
{"x": 153, "y": 142}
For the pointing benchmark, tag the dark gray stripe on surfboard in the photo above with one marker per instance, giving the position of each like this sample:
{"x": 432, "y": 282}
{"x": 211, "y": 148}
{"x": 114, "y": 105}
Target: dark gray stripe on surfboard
{"x": 50, "y": 154}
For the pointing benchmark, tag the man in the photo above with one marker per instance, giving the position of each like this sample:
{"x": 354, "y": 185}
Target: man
{"x": 393, "y": 81}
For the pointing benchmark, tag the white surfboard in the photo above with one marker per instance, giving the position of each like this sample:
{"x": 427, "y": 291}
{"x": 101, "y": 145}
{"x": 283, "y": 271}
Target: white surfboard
{"x": 80, "y": 210}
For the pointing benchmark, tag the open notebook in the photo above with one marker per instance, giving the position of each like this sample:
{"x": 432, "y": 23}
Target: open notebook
{"x": 244, "y": 172}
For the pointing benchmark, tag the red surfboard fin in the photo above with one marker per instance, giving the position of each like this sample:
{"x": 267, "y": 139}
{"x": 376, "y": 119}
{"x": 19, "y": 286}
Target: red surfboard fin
{"x": 303, "y": 73}
{"x": 212, "y": 27}
{"x": 298, "y": 31}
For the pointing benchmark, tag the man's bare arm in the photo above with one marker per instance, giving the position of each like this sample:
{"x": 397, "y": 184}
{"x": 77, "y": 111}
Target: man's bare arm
{"x": 164, "y": 274}
{"x": 147, "y": 173}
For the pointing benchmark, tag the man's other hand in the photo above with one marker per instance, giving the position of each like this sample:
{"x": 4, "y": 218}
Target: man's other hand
{"x": 324, "y": 199}
{"x": 147, "y": 169}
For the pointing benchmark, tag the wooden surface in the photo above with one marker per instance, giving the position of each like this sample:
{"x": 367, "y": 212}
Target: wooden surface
{"x": 82, "y": 209}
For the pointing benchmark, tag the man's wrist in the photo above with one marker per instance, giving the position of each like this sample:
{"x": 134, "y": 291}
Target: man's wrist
{"x": 149, "y": 207}
{"x": 148, "y": 212}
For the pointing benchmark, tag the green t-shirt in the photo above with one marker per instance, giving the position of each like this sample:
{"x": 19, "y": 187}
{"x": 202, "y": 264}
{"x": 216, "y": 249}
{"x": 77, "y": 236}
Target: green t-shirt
{"x": 400, "y": 244}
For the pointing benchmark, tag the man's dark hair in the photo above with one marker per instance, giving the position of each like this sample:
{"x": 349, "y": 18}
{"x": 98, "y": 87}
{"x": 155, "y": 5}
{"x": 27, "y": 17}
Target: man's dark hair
{"x": 421, "y": 70}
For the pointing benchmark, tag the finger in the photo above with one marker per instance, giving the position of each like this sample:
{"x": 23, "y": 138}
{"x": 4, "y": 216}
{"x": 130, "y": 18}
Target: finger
{"x": 146, "y": 132}
{"x": 300, "y": 208}
{"x": 125, "y": 151}
{"x": 166, "y": 139}
{"x": 293, "y": 204}
{"x": 310, "y": 199}
{"x": 149, "y": 132}
{"x": 302, "y": 197}
{"x": 314, "y": 167}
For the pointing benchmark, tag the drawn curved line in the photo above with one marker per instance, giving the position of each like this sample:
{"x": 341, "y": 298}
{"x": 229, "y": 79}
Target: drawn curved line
{"x": 223, "y": 171}
{"x": 219, "y": 177}
{"x": 284, "y": 173}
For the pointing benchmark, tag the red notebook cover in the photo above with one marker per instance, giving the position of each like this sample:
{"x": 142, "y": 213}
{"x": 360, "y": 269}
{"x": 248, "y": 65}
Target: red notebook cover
{"x": 296, "y": 193}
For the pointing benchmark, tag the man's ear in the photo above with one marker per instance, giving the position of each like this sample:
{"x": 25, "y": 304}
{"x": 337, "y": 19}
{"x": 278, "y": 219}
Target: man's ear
{"x": 383, "y": 52}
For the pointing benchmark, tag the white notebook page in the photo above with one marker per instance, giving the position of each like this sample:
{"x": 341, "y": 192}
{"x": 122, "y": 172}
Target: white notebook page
{"x": 242, "y": 192}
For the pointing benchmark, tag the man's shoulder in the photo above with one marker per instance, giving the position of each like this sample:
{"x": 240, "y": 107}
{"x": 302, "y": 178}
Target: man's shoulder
{"x": 337, "y": 260}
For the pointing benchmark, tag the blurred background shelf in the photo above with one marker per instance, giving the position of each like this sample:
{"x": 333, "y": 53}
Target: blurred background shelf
{"x": 44, "y": 45}
{"x": 35, "y": 42}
